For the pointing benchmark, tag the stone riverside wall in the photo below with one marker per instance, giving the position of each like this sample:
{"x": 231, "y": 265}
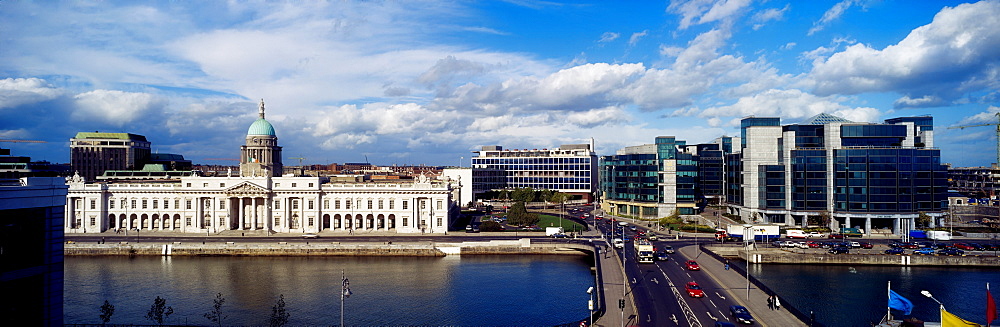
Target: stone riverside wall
{"x": 325, "y": 249}
{"x": 773, "y": 256}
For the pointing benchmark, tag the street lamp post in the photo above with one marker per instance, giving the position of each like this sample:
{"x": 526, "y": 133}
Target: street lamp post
{"x": 345, "y": 292}
{"x": 928, "y": 294}
{"x": 590, "y": 304}
{"x": 624, "y": 278}
{"x": 747, "y": 230}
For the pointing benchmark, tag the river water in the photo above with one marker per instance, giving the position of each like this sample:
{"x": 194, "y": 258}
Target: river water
{"x": 453, "y": 290}
{"x": 857, "y": 296}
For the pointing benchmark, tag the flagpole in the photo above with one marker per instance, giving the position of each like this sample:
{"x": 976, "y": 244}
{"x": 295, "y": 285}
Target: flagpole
{"x": 989, "y": 299}
{"x": 888, "y": 310}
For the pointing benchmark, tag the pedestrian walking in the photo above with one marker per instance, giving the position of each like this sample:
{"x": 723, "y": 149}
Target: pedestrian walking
{"x": 777, "y": 303}
{"x": 727, "y": 264}
{"x": 770, "y": 302}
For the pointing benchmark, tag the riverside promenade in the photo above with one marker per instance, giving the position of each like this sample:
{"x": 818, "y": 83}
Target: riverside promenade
{"x": 611, "y": 280}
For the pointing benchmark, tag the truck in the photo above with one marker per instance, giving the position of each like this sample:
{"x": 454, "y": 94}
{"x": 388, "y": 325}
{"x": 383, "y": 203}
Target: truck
{"x": 764, "y": 233}
{"x": 644, "y": 251}
{"x": 939, "y": 235}
{"x": 549, "y": 231}
{"x": 851, "y": 232}
{"x": 918, "y": 234}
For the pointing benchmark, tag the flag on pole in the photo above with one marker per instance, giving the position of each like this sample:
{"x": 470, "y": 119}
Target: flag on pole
{"x": 950, "y": 320}
{"x": 899, "y": 303}
{"x": 991, "y": 306}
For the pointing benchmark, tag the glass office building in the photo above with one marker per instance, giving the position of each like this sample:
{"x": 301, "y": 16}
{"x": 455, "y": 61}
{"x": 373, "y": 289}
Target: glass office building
{"x": 569, "y": 169}
{"x": 871, "y": 176}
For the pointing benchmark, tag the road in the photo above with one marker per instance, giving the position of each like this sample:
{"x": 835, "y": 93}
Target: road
{"x": 658, "y": 288}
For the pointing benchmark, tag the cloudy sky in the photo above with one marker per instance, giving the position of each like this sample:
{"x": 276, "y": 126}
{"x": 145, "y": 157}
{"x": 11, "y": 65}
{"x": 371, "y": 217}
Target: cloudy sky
{"x": 427, "y": 82}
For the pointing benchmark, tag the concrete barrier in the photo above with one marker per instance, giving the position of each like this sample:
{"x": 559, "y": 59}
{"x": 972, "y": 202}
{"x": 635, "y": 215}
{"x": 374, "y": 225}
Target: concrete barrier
{"x": 523, "y": 246}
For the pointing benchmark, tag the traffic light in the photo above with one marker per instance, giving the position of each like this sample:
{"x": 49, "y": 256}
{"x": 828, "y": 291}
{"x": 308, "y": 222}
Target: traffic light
{"x": 621, "y": 304}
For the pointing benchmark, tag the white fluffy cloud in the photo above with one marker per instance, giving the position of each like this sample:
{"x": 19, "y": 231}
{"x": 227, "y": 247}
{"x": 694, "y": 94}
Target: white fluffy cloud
{"x": 790, "y": 104}
{"x": 114, "y": 107}
{"x": 958, "y": 52}
{"x": 15, "y": 92}
{"x": 706, "y": 11}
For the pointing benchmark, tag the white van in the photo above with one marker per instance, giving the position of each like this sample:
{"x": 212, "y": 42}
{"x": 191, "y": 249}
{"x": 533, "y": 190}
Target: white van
{"x": 618, "y": 243}
{"x": 795, "y": 233}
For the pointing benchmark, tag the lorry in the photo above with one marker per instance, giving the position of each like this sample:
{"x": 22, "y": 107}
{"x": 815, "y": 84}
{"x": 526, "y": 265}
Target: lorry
{"x": 850, "y": 232}
{"x": 644, "y": 251}
{"x": 938, "y": 235}
{"x": 765, "y": 233}
{"x": 549, "y": 231}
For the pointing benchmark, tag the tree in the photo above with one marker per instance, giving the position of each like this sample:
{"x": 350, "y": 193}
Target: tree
{"x": 923, "y": 220}
{"x": 279, "y": 317}
{"x": 490, "y": 226}
{"x": 216, "y": 314}
{"x": 107, "y": 310}
{"x": 159, "y": 311}
{"x": 546, "y": 195}
{"x": 518, "y": 215}
{"x": 525, "y": 194}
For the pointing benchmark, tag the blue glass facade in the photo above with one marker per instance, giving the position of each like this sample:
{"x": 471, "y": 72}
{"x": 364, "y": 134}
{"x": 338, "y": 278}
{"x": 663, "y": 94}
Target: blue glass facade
{"x": 890, "y": 180}
{"x": 630, "y": 177}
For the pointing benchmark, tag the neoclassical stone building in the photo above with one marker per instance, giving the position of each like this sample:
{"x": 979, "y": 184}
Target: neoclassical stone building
{"x": 256, "y": 199}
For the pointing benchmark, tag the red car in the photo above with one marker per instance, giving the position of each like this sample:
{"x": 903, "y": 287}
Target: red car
{"x": 866, "y": 245}
{"x": 694, "y": 290}
{"x": 832, "y": 236}
{"x": 814, "y": 244}
{"x": 692, "y": 265}
{"x": 963, "y": 246}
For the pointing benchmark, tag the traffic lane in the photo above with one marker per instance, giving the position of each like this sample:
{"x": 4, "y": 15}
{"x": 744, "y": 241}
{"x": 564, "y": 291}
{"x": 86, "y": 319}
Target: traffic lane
{"x": 655, "y": 303}
{"x": 714, "y": 306}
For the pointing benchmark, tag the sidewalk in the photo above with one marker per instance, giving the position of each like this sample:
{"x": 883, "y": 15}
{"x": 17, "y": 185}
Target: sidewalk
{"x": 611, "y": 286}
{"x": 736, "y": 288}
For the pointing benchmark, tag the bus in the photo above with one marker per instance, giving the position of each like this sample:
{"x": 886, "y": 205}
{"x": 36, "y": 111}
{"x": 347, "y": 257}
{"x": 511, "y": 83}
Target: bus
{"x": 644, "y": 251}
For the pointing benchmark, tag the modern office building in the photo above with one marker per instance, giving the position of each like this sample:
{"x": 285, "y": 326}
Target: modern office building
{"x": 663, "y": 178}
{"x": 866, "y": 175}
{"x": 569, "y": 169}
{"x": 93, "y": 153}
{"x": 31, "y": 250}
{"x": 255, "y": 200}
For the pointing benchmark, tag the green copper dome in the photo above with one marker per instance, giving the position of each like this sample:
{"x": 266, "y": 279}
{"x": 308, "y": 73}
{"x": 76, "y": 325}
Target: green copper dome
{"x": 261, "y": 127}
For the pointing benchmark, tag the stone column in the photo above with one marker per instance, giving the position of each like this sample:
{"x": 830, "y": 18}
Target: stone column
{"x": 70, "y": 212}
{"x": 240, "y": 213}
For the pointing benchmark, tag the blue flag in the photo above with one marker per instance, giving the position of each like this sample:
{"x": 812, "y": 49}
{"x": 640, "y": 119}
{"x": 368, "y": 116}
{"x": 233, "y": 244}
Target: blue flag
{"x": 899, "y": 303}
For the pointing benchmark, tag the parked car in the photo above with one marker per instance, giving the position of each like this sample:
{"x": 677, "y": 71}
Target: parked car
{"x": 832, "y": 236}
{"x": 692, "y": 265}
{"x": 923, "y": 251}
{"x": 694, "y": 290}
{"x": 815, "y": 235}
{"x": 814, "y": 244}
{"x": 741, "y": 314}
{"x": 839, "y": 250}
{"x": 866, "y": 245}
{"x": 894, "y": 251}
{"x": 951, "y": 252}
{"x": 310, "y": 235}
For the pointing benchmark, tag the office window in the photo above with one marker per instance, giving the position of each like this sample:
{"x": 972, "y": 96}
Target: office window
{"x": 277, "y": 204}
{"x": 336, "y": 204}
{"x": 440, "y": 222}
{"x": 310, "y": 205}
{"x": 111, "y": 204}
{"x": 166, "y": 204}
{"x": 188, "y": 184}
{"x": 293, "y": 184}
{"x": 187, "y": 204}
{"x": 439, "y": 204}
{"x": 406, "y": 205}
{"x": 222, "y": 184}
{"x": 222, "y": 204}
{"x": 370, "y": 202}
{"x": 93, "y": 205}
{"x": 295, "y": 204}
{"x": 392, "y": 204}
{"x": 277, "y": 184}
{"x": 310, "y": 184}
{"x": 156, "y": 204}
{"x": 347, "y": 204}
{"x": 144, "y": 203}
{"x": 311, "y": 221}
{"x": 187, "y": 221}
{"x": 326, "y": 204}
{"x": 177, "y": 204}
{"x": 406, "y": 221}
{"x": 380, "y": 206}
{"x": 423, "y": 204}
{"x": 204, "y": 184}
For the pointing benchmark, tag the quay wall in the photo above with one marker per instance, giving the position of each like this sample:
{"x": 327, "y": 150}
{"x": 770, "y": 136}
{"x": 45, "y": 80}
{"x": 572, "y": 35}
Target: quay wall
{"x": 425, "y": 249}
{"x": 775, "y": 256}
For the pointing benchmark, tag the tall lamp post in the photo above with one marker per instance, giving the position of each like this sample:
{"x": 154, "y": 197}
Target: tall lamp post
{"x": 590, "y": 304}
{"x": 345, "y": 292}
{"x": 747, "y": 238}
{"x": 928, "y": 294}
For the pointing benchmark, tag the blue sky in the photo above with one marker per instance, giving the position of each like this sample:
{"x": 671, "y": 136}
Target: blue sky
{"x": 427, "y": 82}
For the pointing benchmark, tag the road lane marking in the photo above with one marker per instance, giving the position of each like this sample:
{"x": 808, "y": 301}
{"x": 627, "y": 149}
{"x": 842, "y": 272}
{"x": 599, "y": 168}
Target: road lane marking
{"x": 720, "y": 295}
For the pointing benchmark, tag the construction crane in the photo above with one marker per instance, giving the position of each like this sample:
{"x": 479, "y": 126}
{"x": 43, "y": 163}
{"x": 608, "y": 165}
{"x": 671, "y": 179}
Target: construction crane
{"x": 997, "y": 124}
{"x": 23, "y": 141}
{"x": 300, "y": 160}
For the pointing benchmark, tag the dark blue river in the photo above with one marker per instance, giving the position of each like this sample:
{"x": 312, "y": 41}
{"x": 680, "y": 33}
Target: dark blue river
{"x": 459, "y": 291}
{"x": 857, "y": 296}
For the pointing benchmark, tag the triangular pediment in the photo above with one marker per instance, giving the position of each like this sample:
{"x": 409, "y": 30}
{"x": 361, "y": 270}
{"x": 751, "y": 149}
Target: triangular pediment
{"x": 246, "y": 188}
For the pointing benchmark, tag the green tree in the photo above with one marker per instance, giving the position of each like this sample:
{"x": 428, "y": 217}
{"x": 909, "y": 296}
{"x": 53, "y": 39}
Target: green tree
{"x": 490, "y": 226}
{"x": 107, "y": 310}
{"x": 279, "y": 316}
{"x": 923, "y": 220}
{"x": 525, "y": 194}
{"x": 546, "y": 195}
{"x": 159, "y": 311}
{"x": 216, "y": 315}
{"x": 519, "y": 215}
